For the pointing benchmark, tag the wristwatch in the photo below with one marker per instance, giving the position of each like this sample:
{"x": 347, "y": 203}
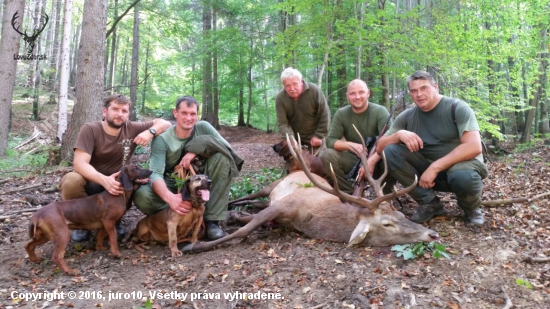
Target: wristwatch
{"x": 153, "y": 131}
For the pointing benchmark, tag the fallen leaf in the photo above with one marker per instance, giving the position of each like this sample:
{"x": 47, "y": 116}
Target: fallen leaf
{"x": 306, "y": 289}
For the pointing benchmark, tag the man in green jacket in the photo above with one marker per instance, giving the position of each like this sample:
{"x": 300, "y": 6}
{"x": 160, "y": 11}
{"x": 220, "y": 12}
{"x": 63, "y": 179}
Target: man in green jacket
{"x": 179, "y": 145}
{"x": 301, "y": 108}
{"x": 368, "y": 118}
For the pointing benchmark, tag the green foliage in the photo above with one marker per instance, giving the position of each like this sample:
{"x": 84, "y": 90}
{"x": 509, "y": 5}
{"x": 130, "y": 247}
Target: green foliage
{"x": 15, "y": 160}
{"x": 254, "y": 182}
{"x": 525, "y": 283}
{"x": 525, "y": 147}
{"x": 412, "y": 251}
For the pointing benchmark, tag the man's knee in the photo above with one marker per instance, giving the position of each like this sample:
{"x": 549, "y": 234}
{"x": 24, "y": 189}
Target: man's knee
{"x": 72, "y": 186}
{"x": 465, "y": 182}
{"x": 329, "y": 156}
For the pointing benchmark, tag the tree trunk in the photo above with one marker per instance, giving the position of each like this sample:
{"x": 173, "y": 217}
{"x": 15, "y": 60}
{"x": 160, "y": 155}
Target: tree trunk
{"x": 145, "y": 78}
{"x": 9, "y": 46}
{"x": 135, "y": 64}
{"x": 216, "y": 108}
{"x": 65, "y": 68}
{"x": 89, "y": 82}
{"x": 74, "y": 58}
{"x": 533, "y": 103}
{"x": 207, "y": 113}
{"x": 54, "y": 59}
{"x": 544, "y": 125}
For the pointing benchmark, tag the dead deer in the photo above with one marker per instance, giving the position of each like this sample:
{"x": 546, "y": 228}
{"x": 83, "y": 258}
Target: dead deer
{"x": 323, "y": 212}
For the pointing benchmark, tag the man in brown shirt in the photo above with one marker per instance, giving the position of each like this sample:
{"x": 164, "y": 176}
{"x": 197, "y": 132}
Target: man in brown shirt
{"x": 102, "y": 147}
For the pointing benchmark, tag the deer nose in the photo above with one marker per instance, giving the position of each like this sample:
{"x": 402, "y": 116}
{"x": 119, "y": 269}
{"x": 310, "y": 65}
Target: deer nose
{"x": 434, "y": 236}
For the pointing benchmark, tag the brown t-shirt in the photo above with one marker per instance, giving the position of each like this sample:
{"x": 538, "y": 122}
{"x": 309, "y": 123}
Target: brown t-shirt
{"x": 108, "y": 152}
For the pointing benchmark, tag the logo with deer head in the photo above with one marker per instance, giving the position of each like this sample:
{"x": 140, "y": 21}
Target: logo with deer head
{"x": 29, "y": 39}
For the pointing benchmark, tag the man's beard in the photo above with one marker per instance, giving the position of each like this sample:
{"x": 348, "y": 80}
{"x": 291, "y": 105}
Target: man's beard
{"x": 111, "y": 123}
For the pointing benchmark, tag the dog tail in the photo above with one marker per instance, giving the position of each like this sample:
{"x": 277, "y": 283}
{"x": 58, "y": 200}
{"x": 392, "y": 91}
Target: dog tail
{"x": 32, "y": 227}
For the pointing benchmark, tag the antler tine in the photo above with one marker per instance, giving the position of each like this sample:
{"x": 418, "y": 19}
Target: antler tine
{"x": 14, "y": 18}
{"x": 36, "y": 32}
{"x": 376, "y": 184}
{"x": 295, "y": 150}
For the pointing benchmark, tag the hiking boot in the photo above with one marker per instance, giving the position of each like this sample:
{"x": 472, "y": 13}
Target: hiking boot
{"x": 426, "y": 212}
{"x": 80, "y": 235}
{"x": 213, "y": 230}
{"x": 474, "y": 217}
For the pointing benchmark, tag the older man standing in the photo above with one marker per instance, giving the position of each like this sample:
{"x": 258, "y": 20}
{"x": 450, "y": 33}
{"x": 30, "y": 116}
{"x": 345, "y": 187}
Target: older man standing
{"x": 302, "y": 109}
{"x": 368, "y": 118}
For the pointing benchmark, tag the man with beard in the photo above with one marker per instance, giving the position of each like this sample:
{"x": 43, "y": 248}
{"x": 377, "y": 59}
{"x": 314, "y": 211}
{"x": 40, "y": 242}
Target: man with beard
{"x": 369, "y": 118}
{"x": 101, "y": 149}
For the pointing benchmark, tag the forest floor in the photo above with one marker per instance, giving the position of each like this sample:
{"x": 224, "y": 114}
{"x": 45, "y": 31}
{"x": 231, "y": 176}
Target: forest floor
{"x": 486, "y": 269}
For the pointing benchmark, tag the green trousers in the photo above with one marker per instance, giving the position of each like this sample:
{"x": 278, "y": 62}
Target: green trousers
{"x": 463, "y": 178}
{"x": 342, "y": 163}
{"x": 217, "y": 168}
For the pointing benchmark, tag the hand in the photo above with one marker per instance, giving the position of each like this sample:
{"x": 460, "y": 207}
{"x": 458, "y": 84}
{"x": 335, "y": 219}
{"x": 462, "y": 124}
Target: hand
{"x": 411, "y": 140}
{"x": 355, "y": 146}
{"x": 186, "y": 160}
{"x": 427, "y": 179}
{"x": 315, "y": 142}
{"x": 111, "y": 185}
{"x": 177, "y": 205}
{"x": 143, "y": 138}
{"x": 371, "y": 162}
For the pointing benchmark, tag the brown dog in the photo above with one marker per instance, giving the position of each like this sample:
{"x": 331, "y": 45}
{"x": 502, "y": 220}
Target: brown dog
{"x": 313, "y": 162}
{"x": 169, "y": 227}
{"x": 96, "y": 212}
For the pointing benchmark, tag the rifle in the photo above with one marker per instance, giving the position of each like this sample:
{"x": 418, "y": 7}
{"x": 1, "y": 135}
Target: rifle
{"x": 359, "y": 183}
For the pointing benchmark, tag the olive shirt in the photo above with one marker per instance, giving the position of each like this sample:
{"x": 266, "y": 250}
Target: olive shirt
{"x": 109, "y": 152}
{"x": 309, "y": 116}
{"x": 166, "y": 148}
{"x": 437, "y": 129}
{"x": 369, "y": 123}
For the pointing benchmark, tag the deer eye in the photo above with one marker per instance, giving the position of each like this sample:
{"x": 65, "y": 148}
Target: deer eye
{"x": 387, "y": 224}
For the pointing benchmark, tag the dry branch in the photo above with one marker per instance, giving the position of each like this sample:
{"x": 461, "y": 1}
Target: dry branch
{"x": 20, "y": 189}
{"x": 505, "y": 202}
{"x": 2, "y": 181}
{"x": 532, "y": 259}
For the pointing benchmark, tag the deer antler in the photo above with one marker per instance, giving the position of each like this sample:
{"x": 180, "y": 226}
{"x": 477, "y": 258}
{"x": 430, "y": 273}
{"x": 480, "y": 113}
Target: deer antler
{"x": 14, "y": 18}
{"x": 295, "y": 150}
{"x": 376, "y": 184}
{"x": 36, "y": 32}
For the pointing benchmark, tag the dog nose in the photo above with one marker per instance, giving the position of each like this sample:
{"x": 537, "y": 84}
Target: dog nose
{"x": 208, "y": 181}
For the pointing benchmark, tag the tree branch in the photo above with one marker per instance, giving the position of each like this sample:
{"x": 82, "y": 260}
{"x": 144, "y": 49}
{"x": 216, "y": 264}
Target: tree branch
{"x": 503, "y": 202}
{"x": 115, "y": 23}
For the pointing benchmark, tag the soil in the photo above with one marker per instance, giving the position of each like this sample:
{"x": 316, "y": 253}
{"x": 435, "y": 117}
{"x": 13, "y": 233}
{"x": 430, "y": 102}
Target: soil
{"x": 486, "y": 268}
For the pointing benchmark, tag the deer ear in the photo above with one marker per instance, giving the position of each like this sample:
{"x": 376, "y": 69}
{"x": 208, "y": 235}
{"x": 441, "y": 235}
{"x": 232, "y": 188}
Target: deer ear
{"x": 185, "y": 194}
{"x": 126, "y": 181}
{"x": 360, "y": 232}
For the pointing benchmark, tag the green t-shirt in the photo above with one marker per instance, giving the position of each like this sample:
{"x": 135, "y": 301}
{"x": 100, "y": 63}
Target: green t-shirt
{"x": 369, "y": 123}
{"x": 167, "y": 147}
{"x": 437, "y": 129}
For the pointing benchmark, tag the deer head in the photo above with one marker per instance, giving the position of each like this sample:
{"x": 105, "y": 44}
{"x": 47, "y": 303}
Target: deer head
{"x": 30, "y": 40}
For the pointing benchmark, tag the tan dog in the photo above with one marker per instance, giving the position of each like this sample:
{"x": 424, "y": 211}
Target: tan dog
{"x": 169, "y": 227}
{"x": 96, "y": 212}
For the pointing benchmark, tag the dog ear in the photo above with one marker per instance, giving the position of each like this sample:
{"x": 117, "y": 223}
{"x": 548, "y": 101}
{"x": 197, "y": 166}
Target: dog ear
{"x": 185, "y": 194}
{"x": 125, "y": 179}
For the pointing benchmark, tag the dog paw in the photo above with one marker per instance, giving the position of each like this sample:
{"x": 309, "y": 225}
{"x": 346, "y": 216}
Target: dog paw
{"x": 100, "y": 247}
{"x": 73, "y": 272}
{"x": 176, "y": 253}
{"x": 36, "y": 259}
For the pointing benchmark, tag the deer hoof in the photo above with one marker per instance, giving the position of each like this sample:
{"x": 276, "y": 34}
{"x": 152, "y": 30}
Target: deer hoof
{"x": 187, "y": 248}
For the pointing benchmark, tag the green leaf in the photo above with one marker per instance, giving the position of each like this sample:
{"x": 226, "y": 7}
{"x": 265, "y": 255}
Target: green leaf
{"x": 408, "y": 255}
{"x": 399, "y": 247}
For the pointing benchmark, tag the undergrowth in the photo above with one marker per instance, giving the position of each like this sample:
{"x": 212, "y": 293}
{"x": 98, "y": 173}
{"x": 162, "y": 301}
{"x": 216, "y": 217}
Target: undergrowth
{"x": 252, "y": 182}
{"x": 19, "y": 163}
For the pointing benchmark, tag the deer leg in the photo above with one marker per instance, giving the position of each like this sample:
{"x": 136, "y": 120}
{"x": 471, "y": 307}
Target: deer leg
{"x": 260, "y": 218}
